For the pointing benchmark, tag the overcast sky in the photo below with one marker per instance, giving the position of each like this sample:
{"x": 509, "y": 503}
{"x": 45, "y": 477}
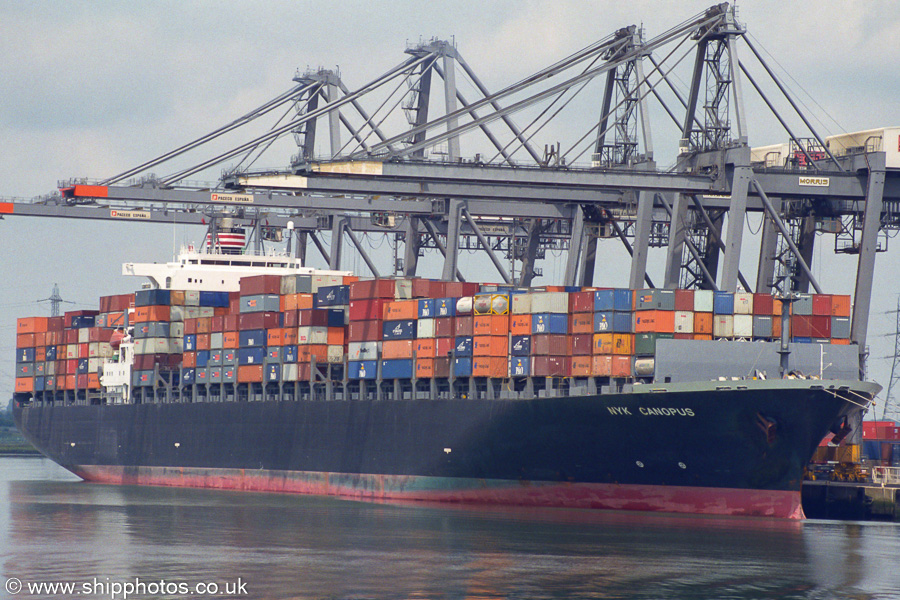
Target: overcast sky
{"x": 90, "y": 89}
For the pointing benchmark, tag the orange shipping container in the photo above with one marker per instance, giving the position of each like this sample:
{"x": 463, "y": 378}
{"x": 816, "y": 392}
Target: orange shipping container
{"x": 31, "y": 325}
{"x": 840, "y": 306}
{"x": 582, "y": 366}
{"x": 204, "y": 325}
{"x": 490, "y": 366}
{"x": 623, "y": 343}
{"x": 289, "y": 335}
{"x": 520, "y": 324}
{"x": 581, "y": 323}
{"x": 425, "y": 368}
{"x": 396, "y": 349}
{"x": 306, "y": 353}
{"x": 25, "y": 340}
{"x": 189, "y": 360}
{"x": 143, "y": 314}
{"x": 24, "y": 385}
{"x": 621, "y": 366}
{"x": 71, "y": 382}
{"x": 203, "y": 341}
{"x": 230, "y": 339}
{"x": 603, "y": 343}
{"x": 601, "y": 365}
{"x": 250, "y": 373}
{"x": 401, "y": 309}
{"x": 275, "y": 337}
{"x": 93, "y": 381}
{"x": 40, "y": 354}
{"x": 703, "y": 323}
{"x": 705, "y": 337}
{"x": 425, "y": 348}
{"x": 491, "y": 325}
{"x": 654, "y": 321}
{"x": 840, "y": 342}
{"x": 335, "y": 336}
{"x": 490, "y": 345}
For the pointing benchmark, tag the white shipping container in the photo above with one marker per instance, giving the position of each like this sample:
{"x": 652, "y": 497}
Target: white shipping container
{"x": 190, "y": 312}
{"x": 319, "y": 281}
{"x": 312, "y": 335}
{"x": 207, "y": 311}
{"x": 94, "y": 349}
{"x": 176, "y": 330}
{"x": 290, "y": 372}
{"x": 684, "y": 321}
{"x": 743, "y": 326}
{"x": 364, "y": 350}
{"x": 723, "y": 326}
{"x": 93, "y": 364}
{"x": 106, "y": 350}
{"x": 403, "y": 289}
{"x": 464, "y": 305}
{"x": 192, "y": 298}
{"x": 521, "y": 304}
{"x": 216, "y": 340}
{"x": 71, "y": 351}
{"x": 703, "y": 301}
{"x": 743, "y": 304}
{"x": 336, "y": 353}
{"x": 550, "y": 302}
{"x": 84, "y": 335}
{"x": 425, "y": 328}
{"x": 176, "y": 313}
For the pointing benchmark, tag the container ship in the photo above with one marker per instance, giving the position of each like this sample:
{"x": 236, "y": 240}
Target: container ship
{"x": 256, "y": 373}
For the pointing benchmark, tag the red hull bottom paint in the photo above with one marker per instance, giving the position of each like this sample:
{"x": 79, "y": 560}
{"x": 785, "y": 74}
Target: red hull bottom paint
{"x": 673, "y": 499}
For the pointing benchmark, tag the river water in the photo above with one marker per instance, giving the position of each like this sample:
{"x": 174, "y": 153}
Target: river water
{"x": 116, "y": 542}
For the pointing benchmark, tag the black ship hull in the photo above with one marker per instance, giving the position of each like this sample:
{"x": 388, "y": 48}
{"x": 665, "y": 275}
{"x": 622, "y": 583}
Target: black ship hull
{"x": 735, "y": 450}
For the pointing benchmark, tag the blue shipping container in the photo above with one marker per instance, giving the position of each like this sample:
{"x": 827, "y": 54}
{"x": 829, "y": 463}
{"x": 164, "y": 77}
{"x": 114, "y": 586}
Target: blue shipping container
{"x": 723, "y": 303}
{"x": 336, "y": 317}
{"x": 82, "y": 366}
{"x": 188, "y": 376}
{"x": 252, "y": 338}
{"x": 519, "y": 366}
{"x": 520, "y": 345}
{"x": 463, "y": 345}
{"x": 51, "y": 352}
{"x": 190, "y": 342}
{"x": 361, "y": 369}
{"x": 426, "y": 308}
{"x": 333, "y": 295}
{"x": 214, "y": 299}
{"x": 445, "y": 307}
{"x": 462, "y": 367}
{"x": 39, "y": 384}
{"x": 398, "y": 368}
{"x": 290, "y": 354}
{"x": 25, "y": 355}
{"x": 549, "y": 323}
{"x": 399, "y": 330}
{"x": 273, "y": 372}
{"x": 203, "y": 358}
{"x": 152, "y": 297}
{"x": 251, "y": 356}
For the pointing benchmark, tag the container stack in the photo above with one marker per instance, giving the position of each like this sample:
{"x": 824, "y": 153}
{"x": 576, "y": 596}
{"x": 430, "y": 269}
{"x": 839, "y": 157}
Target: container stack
{"x": 302, "y": 328}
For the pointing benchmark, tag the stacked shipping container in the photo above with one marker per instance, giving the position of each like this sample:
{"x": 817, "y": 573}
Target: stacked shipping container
{"x": 290, "y": 328}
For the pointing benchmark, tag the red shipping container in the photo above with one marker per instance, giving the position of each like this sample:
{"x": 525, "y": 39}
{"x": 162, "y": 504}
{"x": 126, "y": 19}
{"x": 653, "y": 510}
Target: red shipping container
{"x": 550, "y": 366}
{"x": 217, "y": 325}
{"x": 820, "y": 326}
{"x": 368, "y": 289}
{"x": 444, "y": 327}
{"x": 621, "y": 366}
{"x": 580, "y": 344}
{"x": 684, "y": 336}
{"x": 255, "y": 320}
{"x": 821, "y": 305}
{"x": 99, "y": 334}
{"x": 231, "y": 322}
{"x": 56, "y": 323}
{"x": 549, "y": 345}
{"x": 26, "y": 340}
{"x": 581, "y": 366}
{"x": 442, "y": 367}
{"x": 581, "y": 302}
{"x": 203, "y": 340}
{"x": 190, "y": 326}
{"x": 459, "y": 289}
{"x": 366, "y": 309}
{"x": 581, "y": 323}
{"x": 443, "y": 346}
{"x": 601, "y": 365}
{"x": 71, "y": 336}
{"x": 365, "y": 331}
{"x": 260, "y": 284}
{"x": 763, "y": 304}
{"x": 464, "y": 326}
{"x": 684, "y": 300}
{"x": 189, "y": 360}
{"x": 83, "y": 350}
